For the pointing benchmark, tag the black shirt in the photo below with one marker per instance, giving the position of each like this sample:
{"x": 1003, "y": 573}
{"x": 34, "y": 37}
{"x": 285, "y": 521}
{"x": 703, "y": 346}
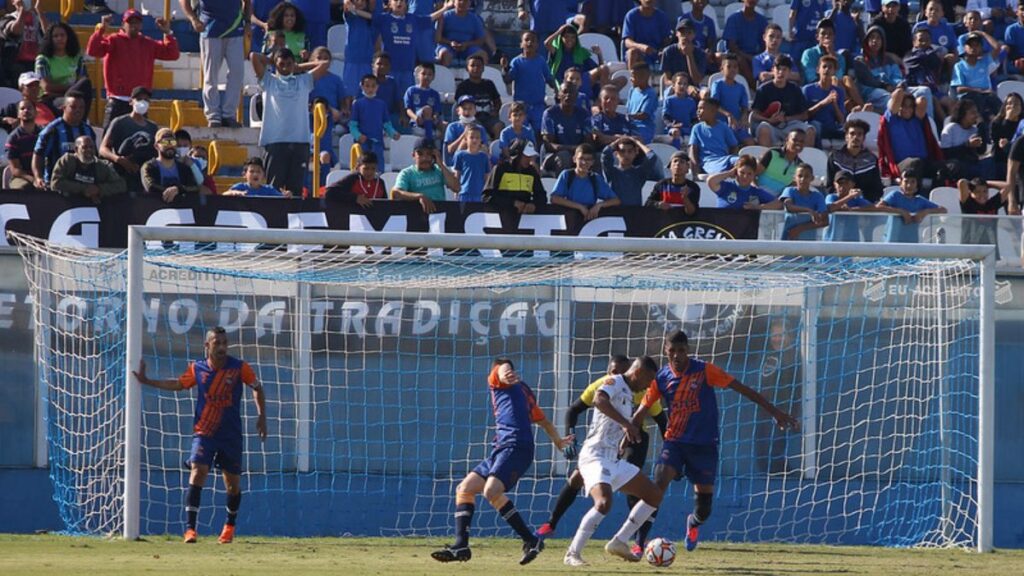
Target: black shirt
{"x": 483, "y": 92}
{"x": 790, "y": 96}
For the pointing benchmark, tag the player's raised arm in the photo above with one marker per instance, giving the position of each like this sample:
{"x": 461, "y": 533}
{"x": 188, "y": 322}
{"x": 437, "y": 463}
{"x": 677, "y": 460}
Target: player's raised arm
{"x": 784, "y": 420}
{"x": 552, "y": 433}
{"x": 603, "y": 404}
{"x": 171, "y": 384}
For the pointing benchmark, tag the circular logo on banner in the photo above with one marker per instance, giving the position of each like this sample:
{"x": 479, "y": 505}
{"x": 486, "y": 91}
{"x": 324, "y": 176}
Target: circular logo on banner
{"x": 695, "y": 231}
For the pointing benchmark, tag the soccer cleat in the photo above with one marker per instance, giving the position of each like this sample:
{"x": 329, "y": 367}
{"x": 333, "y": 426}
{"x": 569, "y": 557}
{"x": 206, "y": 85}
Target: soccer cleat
{"x": 531, "y": 551}
{"x": 450, "y": 554}
{"x": 545, "y": 530}
{"x": 191, "y": 536}
{"x": 572, "y": 559}
{"x": 692, "y": 533}
{"x": 637, "y": 550}
{"x": 227, "y": 535}
{"x": 617, "y": 547}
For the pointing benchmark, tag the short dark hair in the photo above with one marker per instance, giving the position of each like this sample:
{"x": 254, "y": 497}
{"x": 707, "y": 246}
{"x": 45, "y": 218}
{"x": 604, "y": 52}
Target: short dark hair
{"x": 382, "y": 56}
{"x": 783, "y": 60}
{"x": 859, "y": 124}
{"x": 427, "y": 66}
{"x": 748, "y": 161}
{"x": 618, "y": 359}
{"x": 284, "y": 53}
{"x": 640, "y": 67}
{"x": 473, "y": 56}
{"x": 182, "y": 134}
{"x": 648, "y": 363}
{"x": 503, "y": 360}
{"x": 254, "y": 161}
{"x": 709, "y": 101}
{"x": 214, "y": 331}
{"x": 825, "y": 24}
{"x": 730, "y": 57}
{"x": 368, "y": 77}
{"x": 585, "y": 149}
{"x": 677, "y": 337}
{"x": 367, "y": 158}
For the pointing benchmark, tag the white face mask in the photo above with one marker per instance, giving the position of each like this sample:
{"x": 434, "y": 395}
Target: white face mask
{"x": 182, "y": 151}
{"x": 140, "y": 107}
{"x": 467, "y": 119}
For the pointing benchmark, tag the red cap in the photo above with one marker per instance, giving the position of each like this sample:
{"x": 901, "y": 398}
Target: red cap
{"x": 131, "y": 13}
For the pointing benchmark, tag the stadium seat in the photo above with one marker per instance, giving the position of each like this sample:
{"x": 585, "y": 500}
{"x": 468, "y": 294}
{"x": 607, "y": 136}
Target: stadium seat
{"x": 624, "y": 93}
{"x": 8, "y": 174}
{"x": 401, "y": 152}
{"x": 780, "y": 16}
{"x": 444, "y": 82}
{"x": 337, "y": 37}
{"x": 504, "y": 112}
{"x": 874, "y": 119}
{"x": 708, "y": 199}
{"x": 336, "y": 176}
{"x": 494, "y": 75}
{"x": 609, "y": 52}
{"x": 664, "y": 152}
{"x": 9, "y": 96}
{"x": 646, "y": 191}
{"x": 337, "y": 68}
{"x": 709, "y": 12}
{"x": 549, "y": 185}
{"x": 818, "y": 160}
{"x": 255, "y": 120}
{"x": 754, "y": 150}
{"x": 739, "y": 79}
{"x": 389, "y": 181}
{"x": 3, "y": 147}
{"x": 947, "y": 197}
{"x": 495, "y": 149}
{"x": 344, "y": 148}
{"x": 1007, "y": 87}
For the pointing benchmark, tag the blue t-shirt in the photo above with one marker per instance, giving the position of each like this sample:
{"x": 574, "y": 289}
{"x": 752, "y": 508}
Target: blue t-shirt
{"x": 813, "y": 200}
{"x": 219, "y": 397}
{"x": 416, "y": 98}
{"x": 942, "y": 34}
{"x": 396, "y": 38}
{"x": 906, "y": 137}
{"x": 976, "y": 76}
{"x": 371, "y": 114}
{"x": 680, "y": 110}
{"x": 844, "y": 228}
{"x": 1014, "y": 38}
{"x": 643, "y": 102}
{"x": 896, "y": 230}
{"x": 808, "y": 14}
{"x": 653, "y": 30}
{"x": 705, "y": 29}
{"x": 331, "y": 88}
{"x": 285, "y": 108}
{"x": 690, "y": 401}
{"x": 730, "y": 195}
{"x": 582, "y": 189}
{"x": 609, "y": 125}
{"x": 360, "y": 40}
{"x": 827, "y": 115}
{"x": 509, "y": 135}
{"x": 568, "y": 129}
{"x": 763, "y": 62}
{"x": 223, "y": 18}
{"x": 748, "y": 34}
{"x": 462, "y": 28}
{"x": 713, "y": 143}
{"x": 452, "y": 133}
{"x": 387, "y": 92}
{"x": 263, "y": 190}
{"x": 733, "y": 98}
{"x": 548, "y": 15}
{"x": 472, "y": 169}
{"x": 846, "y": 30}
{"x": 525, "y": 74}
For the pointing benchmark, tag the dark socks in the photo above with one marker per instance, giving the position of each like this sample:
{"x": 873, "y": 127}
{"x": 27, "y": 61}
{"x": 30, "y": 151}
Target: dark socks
{"x": 463, "y": 518}
{"x": 195, "y": 494}
{"x": 701, "y": 508}
{"x": 233, "y": 502}
{"x": 511, "y": 515}
{"x": 645, "y": 530}
{"x": 565, "y": 499}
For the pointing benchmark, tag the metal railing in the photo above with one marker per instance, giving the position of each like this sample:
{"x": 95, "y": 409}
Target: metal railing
{"x": 319, "y": 129}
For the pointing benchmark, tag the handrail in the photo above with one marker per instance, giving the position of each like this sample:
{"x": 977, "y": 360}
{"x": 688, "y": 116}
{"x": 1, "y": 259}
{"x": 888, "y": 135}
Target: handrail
{"x": 213, "y": 157}
{"x": 177, "y": 115}
{"x": 319, "y": 129}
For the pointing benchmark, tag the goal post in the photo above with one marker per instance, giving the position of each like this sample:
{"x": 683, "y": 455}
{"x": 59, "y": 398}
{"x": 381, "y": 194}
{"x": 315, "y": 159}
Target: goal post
{"x": 872, "y": 333}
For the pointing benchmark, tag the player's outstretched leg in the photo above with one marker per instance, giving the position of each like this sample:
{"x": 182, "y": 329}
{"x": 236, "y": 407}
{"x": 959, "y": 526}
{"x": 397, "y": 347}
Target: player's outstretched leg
{"x": 494, "y": 491}
{"x": 565, "y": 499}
{"x": 465, "y": 506}
{"x": 602, "y": 496}
{"x": 701, "y": 511}
{"x": 650, "y": 496}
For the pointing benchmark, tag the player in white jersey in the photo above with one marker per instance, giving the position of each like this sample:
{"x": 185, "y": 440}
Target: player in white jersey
{"x": 604, "y": 471}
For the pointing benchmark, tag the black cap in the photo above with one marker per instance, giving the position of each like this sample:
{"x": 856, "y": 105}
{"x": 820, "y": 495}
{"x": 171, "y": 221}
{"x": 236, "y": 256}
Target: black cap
{"x": 843, "y": 175}
{"x": 425, "y": 144}
{"x": 140, "y": 90}
{"x": 685, "y": 25}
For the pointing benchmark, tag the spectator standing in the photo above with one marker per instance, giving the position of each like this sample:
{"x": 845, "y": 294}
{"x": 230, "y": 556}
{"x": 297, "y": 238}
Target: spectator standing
{"x": 166, "y": 176}
{"x": 805, "y": 207}
{"x": 425, "y": 181}
{"x": 19, "y": 147}
{"x": 423, "y": 38}
{"x": 523, "y": 73}
{"x": 848, "y": 30}
{"x": 471, "y": 165}
{"x": 83, "y": 173}
{"x": 1014, "y": 38}
{"x": 975, "y": 201}
{"x": 895, "y": 26}
{"x": 60, "y": 64}
{"x": 130, "y": 141}
{"x": 582, "y": 189}
{"x": 515, "y": 184}
{"x": 485, "y": 95}
{"x": 518, "y": 129}
{"x": 362, "y": 186}
{"x": 396, "y": 30}
{"x": 58, "y": 138}
{"x": 455, "y": 133}
{"x": 22, "y": 34}
{"x": 565, "y": 51}
{"x": 329, "y": 89}
{"x": 128, "y": 58}
{"x": 370, "y": 120}
{"x": 254, "y": 183}
{"x": 855, "y": 159}
{"x": 744, "y": 33}
{"x": 646, "y": 30}
{"x": 628, "y": 165}
{"x": 545, "y": 16}
{"x": 359, "y": 44}
{"x": 1004, "y": 130}
{"x": 221, "y": 25}
{"x": 676, "y": 191}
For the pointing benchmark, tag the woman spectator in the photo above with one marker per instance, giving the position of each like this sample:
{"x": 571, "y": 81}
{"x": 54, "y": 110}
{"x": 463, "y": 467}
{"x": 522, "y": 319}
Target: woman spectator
{"x": 565, "y": 51}
{"x": 1004, "y": 130}
{"x": 962, "y": 145}
{"x": 287, "y": 18}
{"x": 60, "y": 63}
{"x": 878, "y": 72}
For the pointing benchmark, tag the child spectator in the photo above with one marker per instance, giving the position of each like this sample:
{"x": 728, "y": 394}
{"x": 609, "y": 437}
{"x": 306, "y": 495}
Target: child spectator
{"x": 972, "y": 80}
{"x": 848, "y": 30}
{"x": 485, "y": 94}
{"x": 565, "y": 51}
{"x": 287, "y": 18}
{"x": 397, "y": 29}
{"x": 910, "y": 209}
{"x": 705, "y": 30}
{"x": 329, "y": 89}
{"x": 471, "y": 165}
{"x": 765, "y": 61}
{"x": 733, "y": 99}
{"x": 735, "y": 187}
{"x": 423, "y": 38}
{"x": 423, "y": 103}
{"x": 387, "y": 86}
{"x": 924, "y": 65}
{"x": 608, "y": 124}
{"x": 359, "y": 45}
{"x": 805, "y": 207}
{"x": 582, "y": 189}
{"x": 975, "y": 200}
{"x": 1014, "y": 38}
{"x": 972, "y": 23}
{"x": 680, "y": 111}
{"x": 523, "y": 73}
{"x": 805, "y": 17}
{"x": 455, "y": 134}
{"x": 826, "y": 111}
{"x": 362, "y": 186}
{"x": 370, "y": 119}
{"x": 826, "y": 46}
{"x": 712, "y": 143}
{"x": 574, "y": 78}
{"x": 780, "y": 106}
{"x": 459, "y": 34}
{"x": 545, "y": 16}
{"x": 628, "y": 165}
{"x": 684, "y": 55}
{"x": 744, "y": 34}
{"x": 515, "y": 184}
{"x": 645, "y": 31}
{"x": 642, "y": 104}
{"x": 962, "y": 146}
{"x": 676, "y": 191}
{"x": 846, "y": 198}
{"x": 518, "y": 129}
{"x": 254, "y": 184}
{"x": 941, "y": 30}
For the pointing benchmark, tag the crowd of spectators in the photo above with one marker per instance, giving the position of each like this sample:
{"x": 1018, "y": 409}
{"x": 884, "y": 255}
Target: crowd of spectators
{"x": 927, "y": 81}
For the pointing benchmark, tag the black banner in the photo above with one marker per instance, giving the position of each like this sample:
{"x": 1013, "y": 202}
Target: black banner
{"x": 105, "y": 225}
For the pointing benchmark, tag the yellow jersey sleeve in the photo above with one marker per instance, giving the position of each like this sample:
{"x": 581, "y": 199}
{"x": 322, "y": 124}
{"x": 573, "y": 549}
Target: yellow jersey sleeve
{"x": 590, "y": 394}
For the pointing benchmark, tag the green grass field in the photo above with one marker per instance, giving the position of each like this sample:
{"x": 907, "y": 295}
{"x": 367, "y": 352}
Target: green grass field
{"x": 42, "y": 555}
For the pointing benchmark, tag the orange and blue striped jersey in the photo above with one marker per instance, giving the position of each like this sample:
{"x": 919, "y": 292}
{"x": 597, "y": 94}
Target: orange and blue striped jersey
{"x": 515, "y": 411}
{"x": 690, "y": 401}
{"x": 220, "y": 396}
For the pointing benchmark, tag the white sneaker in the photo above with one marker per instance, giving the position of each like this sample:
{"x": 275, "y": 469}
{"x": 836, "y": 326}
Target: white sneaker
{"x": 619, "y": 548}
{"x": 572, "y": 559}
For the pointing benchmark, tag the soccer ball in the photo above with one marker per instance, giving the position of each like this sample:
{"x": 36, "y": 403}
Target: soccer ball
{"x": 660, "y": 552}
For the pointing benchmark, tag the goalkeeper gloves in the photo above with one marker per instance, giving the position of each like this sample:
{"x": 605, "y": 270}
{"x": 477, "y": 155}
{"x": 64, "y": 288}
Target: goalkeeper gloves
{"x": 570, "y": 450}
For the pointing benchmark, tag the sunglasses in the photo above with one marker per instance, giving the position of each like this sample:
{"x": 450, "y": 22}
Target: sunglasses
{"x": 168, "y": 142}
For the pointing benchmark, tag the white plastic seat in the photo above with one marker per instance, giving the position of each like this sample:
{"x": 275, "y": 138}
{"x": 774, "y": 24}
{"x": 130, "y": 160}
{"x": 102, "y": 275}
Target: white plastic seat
{"x": 335, "y": 176}
{"x": 874, "y": 120}
{"x": 337, "y": 37}
{"x": 444, "y": 82}
{"x": 947, "y": 197}
{"x": 609, "y": 52}
{"x": 401, "y": 152}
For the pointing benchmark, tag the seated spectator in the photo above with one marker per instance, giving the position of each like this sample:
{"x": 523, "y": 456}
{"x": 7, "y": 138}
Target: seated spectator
{"x": 895, "y": 27}
{"x": 684, "y": 55}
{"x": 60, "y": 63}
{"x": 517, "y": 129}
{"x": 805, "y": 207}
{"x": 58, "y": 138}
{"x": 628, "y": 165}
{"x": 642, "y": 104}
{"x": 362, "y": 186}
{"x": 485, "y": 95}
{"x": 855, "y": 159}
{"x": 20, "y": 145}
{"x": 254, "y": 183}
{"x": 370, "y": 120}
{"x": 195, "y": 157}
{"x": 388, "y": 90}
{"x": 805, "y": 19}
{"x": 287, "y": 18}
{"x": 764, "y": 62}
{"x": 847, "y": 27}
{"x": 972, "y": 80}
{"x": 565, "y": 127}
{"x": 826, "y": 101}
{"x": 733, "y": 99}
{"x": 975, "y": 200}
{"x": 82, "y": 173}
{"x": 744, "y": 34}
{"x": 909, "y": 208}
{"x": 735, "y": 187}
{"x": 676, "y": 191}
{"x": 679, "y": 113}
{"x": 28, "y": 84}
{"x": 963, "y": 146}
{"x": 423, "y": 103}
{"x": 574, "y": 76}
{"x": 397, "y": 31}
{"x": 846, "y": 199}
{"x": 455, "y": 134}
{"x": 706, "y": 31}
{"x": 877, "y": 72}
{"x": 779, "y": 106}
{"x": 941, "y": 30}
{"x": 777, "y": 167}
{"x": 826, "y": 46}
{"x": 425, "y": 181}
{"x": 903, "y": 133}
{"x": 515, "y": 183}
{"x": 459, "y": 34}
{"x": 165, "y": 175}
{"x": 471, "y": 165}
{"x": 128, "y": 144}
{"x": 645, "y": 31}
{"x": 712, "y": 143}
{"x": 21, "y": 32}
{"x": 608, "y": 124}
{"x": 972, "y": 24}
{"x": 582, "y": 189}
{"x": 924, "y": 65}
{"x": 1004, "y": 130}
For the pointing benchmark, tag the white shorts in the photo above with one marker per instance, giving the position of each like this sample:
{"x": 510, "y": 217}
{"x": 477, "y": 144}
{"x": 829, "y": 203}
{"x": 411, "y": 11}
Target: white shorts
{"x": 615, "y": 473}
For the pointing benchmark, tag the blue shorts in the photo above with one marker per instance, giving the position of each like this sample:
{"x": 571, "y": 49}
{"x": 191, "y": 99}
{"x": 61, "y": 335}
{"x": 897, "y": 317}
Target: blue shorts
{"x": 699, "y": 462}
{"x": 507, "y": 464}
{"x": 225, "y": 455}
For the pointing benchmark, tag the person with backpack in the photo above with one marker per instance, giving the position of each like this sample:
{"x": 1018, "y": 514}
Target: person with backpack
{"x": 583, "y": 189}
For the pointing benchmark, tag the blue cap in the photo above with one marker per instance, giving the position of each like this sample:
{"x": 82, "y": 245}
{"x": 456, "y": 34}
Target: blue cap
{"x": 465, "y": 98}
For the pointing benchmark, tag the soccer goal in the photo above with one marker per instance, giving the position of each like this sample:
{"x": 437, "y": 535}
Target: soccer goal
{"x": 373, "y": 350}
